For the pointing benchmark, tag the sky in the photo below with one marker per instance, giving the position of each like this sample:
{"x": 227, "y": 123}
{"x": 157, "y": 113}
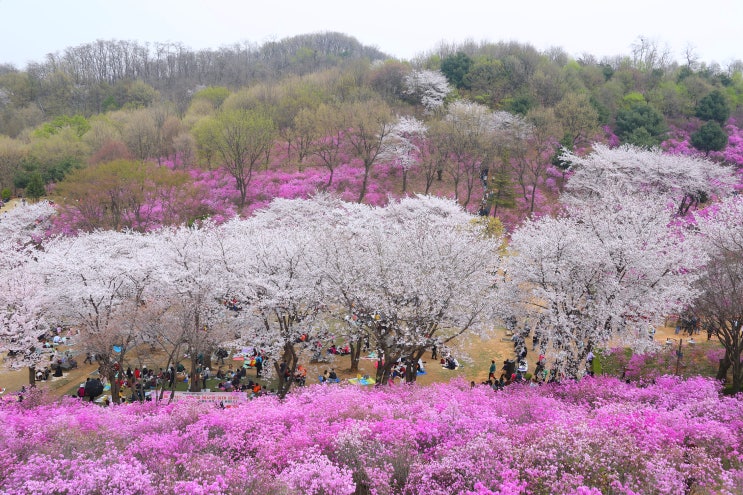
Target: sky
{"x": 713, "y": 29}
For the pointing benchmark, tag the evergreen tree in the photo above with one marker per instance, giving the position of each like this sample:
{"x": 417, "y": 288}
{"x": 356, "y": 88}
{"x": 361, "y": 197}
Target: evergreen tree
{"x": 710, "y": 137}
{"x": 35, "y": 188}
{"x": 714, "y": 107}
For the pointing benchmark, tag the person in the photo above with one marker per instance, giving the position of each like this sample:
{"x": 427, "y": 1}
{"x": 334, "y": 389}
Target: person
{"x": 491, "y": 371}
{"x": 333, "y": 376}
{"x": 450, "y": 363}
{"x": 509, "y": 367}
{"x": 221, "y": 354}
{"x": 258, "y": 365}
{"x": 204, "y": 377}
{"x": 539, "y": 370}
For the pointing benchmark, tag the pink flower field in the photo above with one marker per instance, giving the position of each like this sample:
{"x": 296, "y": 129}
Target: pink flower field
{"x": 588, "y": 437}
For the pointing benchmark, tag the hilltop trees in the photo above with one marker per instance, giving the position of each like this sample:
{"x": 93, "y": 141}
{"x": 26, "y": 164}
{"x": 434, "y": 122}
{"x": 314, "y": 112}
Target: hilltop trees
{"x": 369, "y": 125}
{"x": 714, "y": 107}
{"x": 128, "y": 194}
{"x": 427, "y": 87}
{"x": 242, "y": 139}
{"x": 709, "y": 137}
{"x": 640, "y": 125}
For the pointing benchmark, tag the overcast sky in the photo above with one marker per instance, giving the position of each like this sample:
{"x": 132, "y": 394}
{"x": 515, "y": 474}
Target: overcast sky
{"x": 29, "y": 29}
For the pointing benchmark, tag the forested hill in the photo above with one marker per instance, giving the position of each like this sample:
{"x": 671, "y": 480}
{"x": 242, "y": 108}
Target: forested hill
{"x": 314, "y": 105}
{"x": 87, "y": 74}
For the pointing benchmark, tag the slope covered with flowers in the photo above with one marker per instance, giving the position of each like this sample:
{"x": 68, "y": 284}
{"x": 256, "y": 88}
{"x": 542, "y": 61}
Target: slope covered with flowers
{"x": 588, "y": 437}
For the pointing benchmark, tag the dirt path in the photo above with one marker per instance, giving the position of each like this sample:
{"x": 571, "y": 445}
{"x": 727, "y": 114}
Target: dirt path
{"x": 9, "y": 205}
{"x": 475, "y": 368}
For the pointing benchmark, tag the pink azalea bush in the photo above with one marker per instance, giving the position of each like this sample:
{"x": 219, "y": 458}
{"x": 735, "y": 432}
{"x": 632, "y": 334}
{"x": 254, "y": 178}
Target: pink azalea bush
{"x": 646, "y": 367}
{"x": 594, "y": 436}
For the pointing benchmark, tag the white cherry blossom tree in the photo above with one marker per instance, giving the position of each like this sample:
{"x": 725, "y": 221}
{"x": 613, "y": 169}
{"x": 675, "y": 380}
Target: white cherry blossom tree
{"x": 272, "y": 273}
{"x": 607, "y": 269}
{"x": 429, "y": 87}
{"x": 189, "y": 275}
{"x": 416, "y": 272}
{"x": 720, "y": 304}
{"x": 402, "y": 145}
{"x": 685, "y": 180}
{"x": 97, "y": 282}
{"x": 22, "y": 301}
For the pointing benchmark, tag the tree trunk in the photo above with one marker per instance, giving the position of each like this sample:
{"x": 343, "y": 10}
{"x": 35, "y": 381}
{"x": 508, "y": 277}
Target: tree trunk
{"x": 380, "y": 370}
{"x": 32, "y": 375}
{"x": 115, "y": 388}
{"x": 384, "y": 368}
{"x": 364, "y": 184}
{"x": 737, "y": 376}
{"x": 356, "y": 354}
{"x": 404, "y": 181}
{"x": 330, "y": 178}
{"x": 411, "y": 372}
{"x": 722, "y": 370}
{"x": 290, "y": 359}
{"x": 194, "y": 378}
{"x": 208, "y": 358}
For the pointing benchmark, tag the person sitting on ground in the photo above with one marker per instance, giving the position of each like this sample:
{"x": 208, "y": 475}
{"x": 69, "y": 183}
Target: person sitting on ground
{"x": 450, "y": 363}
{"x": 332, "y": 376}
{"x": 421, "y": 368}
{"x": 332, "y": 350}
{"x": 300, "y": 374}
{"x": 324, "y": 377}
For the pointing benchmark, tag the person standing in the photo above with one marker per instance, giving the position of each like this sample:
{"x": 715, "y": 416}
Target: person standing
{"x": 204, "y": 377}
{"x": 491, "y": 371}
{"x": 258, "y": 365}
